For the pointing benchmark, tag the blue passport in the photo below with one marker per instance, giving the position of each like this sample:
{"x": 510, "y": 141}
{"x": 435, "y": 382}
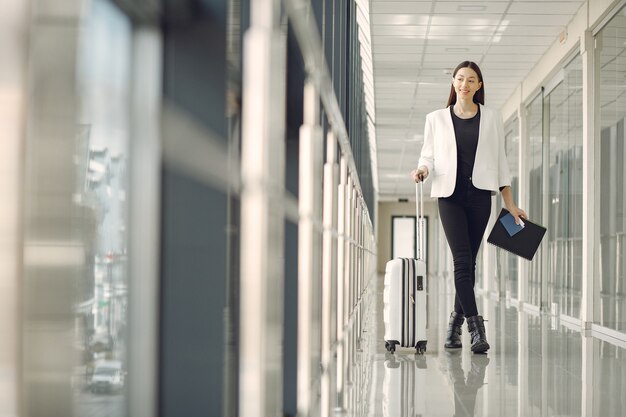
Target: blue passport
{"x": 508, "y": 221}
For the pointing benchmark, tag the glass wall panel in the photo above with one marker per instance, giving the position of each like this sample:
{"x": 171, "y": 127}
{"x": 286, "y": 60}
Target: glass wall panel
{"x": 403, "y": 237}
{"x": 507, "y": 261}
{"x": 611, "y": 55}
{"x": 104, "y": 64}
{"x": 565, "y": 192}
{"x": 534, "y": 210}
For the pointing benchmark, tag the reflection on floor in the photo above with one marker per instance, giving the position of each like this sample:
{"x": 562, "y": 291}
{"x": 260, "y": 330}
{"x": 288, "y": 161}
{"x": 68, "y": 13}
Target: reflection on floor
{"x": 537, "y": 366}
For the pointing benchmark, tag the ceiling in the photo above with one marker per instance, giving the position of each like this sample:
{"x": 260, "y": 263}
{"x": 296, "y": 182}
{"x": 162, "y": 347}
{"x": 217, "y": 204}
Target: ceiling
{"x": 416, "y": 45}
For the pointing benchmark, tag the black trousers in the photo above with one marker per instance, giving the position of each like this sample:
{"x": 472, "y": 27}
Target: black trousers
{"x": 464, "y": 216}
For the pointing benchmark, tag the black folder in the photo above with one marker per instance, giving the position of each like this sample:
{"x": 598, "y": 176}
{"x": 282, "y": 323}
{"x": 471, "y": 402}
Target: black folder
{"x": 523, "y": 243}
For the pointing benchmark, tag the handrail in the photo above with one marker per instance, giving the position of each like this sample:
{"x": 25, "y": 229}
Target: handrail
{"x": 308, "y": 38}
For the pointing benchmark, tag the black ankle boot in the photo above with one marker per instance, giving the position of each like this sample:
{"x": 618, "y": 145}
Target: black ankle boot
{"x": 453, "y": 340}
{"x": 476, "y": 328}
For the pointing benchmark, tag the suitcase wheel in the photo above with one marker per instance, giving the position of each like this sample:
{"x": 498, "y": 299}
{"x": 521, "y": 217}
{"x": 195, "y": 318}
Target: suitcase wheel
{"x": 420, "y": 347}
{"x": 390, "y": 346}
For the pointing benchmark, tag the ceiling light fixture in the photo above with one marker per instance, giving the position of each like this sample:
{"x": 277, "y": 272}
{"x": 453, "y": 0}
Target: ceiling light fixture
{"x": 394, "y": 175}
{"x": 471, "y": 8}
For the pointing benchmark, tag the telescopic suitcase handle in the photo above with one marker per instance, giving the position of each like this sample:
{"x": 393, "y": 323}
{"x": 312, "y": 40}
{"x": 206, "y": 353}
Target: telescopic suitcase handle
{"x": 419, "y": 224}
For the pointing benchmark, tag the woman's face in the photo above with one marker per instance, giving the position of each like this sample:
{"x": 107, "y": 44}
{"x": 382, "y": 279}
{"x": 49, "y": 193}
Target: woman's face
{"x": 466, "y": 83}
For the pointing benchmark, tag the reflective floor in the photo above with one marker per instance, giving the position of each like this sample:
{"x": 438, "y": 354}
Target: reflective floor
{"x": 537, "y": 366}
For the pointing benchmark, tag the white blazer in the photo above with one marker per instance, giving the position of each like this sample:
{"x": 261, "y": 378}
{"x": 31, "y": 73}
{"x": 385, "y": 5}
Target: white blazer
{"x": 491, "y": 169}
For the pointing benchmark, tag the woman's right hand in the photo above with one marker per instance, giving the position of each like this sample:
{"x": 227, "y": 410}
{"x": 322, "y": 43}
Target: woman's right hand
{"x": 420, "y": 174}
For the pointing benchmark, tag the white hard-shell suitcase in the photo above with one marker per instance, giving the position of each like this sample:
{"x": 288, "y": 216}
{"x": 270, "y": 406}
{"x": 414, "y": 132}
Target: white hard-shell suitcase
{"x": 405, "y": 293}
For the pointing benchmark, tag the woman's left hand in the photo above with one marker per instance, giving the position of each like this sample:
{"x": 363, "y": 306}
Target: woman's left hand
{"x": 517, "y": 213}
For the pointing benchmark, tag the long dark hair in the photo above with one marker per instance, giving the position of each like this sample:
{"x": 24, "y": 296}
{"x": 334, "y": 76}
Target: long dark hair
{"x": 479, "y": 96}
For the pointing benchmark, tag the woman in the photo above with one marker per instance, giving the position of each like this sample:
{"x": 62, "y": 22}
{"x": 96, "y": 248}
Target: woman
{"x": 464, "y": 151}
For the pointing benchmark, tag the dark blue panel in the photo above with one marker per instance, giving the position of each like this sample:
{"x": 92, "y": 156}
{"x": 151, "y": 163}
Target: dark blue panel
{"x": 290, "y": 347}
{"x": 192, "y": 298}
{"x": 194, "y": 240}
{"x": 328, "y": 32}
{"x": 215, "y": 7}
{"x": 295, "y": 86}
{"x": 318, "y": 13}
{"x": 195, "y": 69}
{"x": 197, "y": 9}
{"x": 290, "y": 335}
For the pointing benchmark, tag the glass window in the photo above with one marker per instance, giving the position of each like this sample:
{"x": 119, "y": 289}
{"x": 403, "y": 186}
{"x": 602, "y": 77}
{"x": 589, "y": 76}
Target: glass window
{"x": 535, "y": 166}
{"x": 507, "y": 261}
{"x": 611, "y": 55}
{"x": 564, "y": 237}
{"x": 104, "y": 62}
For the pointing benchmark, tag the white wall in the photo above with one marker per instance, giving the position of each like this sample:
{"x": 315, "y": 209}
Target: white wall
{"x": 13, "y": 52}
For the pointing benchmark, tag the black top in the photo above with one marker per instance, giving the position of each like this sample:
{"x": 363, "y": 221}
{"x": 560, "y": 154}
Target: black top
{"x": 466, "y": 132}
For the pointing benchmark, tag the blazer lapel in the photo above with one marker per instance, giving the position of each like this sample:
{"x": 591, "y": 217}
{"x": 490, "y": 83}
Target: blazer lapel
{"x": 449, "y": 125}
{"x": 481, "y": 136}
{"x": 449, "y": 132}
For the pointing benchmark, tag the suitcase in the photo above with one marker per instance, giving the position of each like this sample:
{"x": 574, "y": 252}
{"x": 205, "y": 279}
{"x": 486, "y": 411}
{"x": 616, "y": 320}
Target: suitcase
{"x": 405, "y": 293}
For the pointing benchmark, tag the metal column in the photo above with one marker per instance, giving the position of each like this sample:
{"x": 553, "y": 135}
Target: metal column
{"x": 262, "y": 212}
{"x": 309, "y": 254}
{"x": 591, "y": 182}
{"x": 329, "y": 271}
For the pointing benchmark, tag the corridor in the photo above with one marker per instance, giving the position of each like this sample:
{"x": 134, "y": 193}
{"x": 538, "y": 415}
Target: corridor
{"x": 200, "y": 197}
{"x": 537, "y": 366}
